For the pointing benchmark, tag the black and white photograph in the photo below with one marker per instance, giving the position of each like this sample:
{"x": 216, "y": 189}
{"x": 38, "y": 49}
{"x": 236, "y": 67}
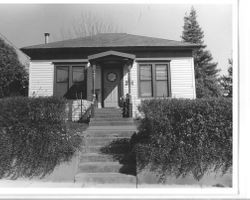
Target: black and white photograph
{"x": 119, "y": 98}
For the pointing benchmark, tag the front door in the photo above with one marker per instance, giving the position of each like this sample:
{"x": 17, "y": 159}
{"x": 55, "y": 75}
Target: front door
{"x": 111, "y": 86}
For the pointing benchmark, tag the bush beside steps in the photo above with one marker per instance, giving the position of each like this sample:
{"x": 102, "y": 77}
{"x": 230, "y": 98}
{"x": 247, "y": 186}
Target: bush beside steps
{"x": 34, "y": 136}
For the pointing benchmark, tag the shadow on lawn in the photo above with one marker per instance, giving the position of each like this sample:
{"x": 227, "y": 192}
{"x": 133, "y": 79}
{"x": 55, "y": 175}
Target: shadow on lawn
{"x": 122, "y": 150}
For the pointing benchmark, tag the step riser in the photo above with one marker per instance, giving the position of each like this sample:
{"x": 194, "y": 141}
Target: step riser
{"x": 97, "y": 158}
{"x": 112, "y": 129}
{"x": 108, "y": 111}
{"x": 104, "y": 135}
{"x": 111, "y": 123}
{"x": 92, "y": 149}
{"x": 116, "y": 149}
{"x": 119, "y": 179}
{"x": 97, "y": 119}
{"x": 101, "y": 141}
{"x": 99, "y": 168}
{"x": 104, "y": 116}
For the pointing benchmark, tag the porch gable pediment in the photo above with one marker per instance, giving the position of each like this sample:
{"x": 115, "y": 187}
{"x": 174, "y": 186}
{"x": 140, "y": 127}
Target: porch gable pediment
{"x": 111, "y": 53}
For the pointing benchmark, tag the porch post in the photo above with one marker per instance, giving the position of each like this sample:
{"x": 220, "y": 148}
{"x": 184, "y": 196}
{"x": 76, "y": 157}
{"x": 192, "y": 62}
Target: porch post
{"x": 129, "y": 79}
{"x": 129, "y": 92}
{"x": 93, "y": 81}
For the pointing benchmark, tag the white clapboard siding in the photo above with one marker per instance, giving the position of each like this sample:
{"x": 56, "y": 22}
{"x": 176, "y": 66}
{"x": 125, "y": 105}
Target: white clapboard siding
{"x": 41, "y": 79}
{"x": 182, "y": 78}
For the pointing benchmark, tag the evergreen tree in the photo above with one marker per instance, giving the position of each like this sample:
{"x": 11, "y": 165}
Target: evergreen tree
{"x": 227, "y": 81}
{"x": 206, "y": 71}
{"x": 13, "y": 76}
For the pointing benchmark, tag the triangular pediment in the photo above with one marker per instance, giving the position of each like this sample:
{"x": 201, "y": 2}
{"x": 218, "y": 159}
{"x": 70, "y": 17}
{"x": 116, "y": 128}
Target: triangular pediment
{"x": 111, "y": 53}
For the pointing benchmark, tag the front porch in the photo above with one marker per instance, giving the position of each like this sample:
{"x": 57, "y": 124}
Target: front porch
{"x": 110, "y": 74}
{"x": 104, "y": 83}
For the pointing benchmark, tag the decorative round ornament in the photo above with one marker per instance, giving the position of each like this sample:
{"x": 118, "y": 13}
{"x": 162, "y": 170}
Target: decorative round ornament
{"x": 111, "y": 77}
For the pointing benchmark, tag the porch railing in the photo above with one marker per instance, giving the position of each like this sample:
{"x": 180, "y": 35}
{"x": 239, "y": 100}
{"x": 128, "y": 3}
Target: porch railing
{"x": 89, "y": 112}
{"x": 127, "y": 106}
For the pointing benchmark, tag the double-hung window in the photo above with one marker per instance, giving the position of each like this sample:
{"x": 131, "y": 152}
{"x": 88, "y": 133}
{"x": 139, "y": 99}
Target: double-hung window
{"x": 146, "y": 80}
{"x": 154, "y": 80}
{"x": 70, "y": 81}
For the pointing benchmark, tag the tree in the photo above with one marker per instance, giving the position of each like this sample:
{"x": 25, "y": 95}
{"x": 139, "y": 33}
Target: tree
{"x": 13, "y": 76}
{"x": 88, "y": 24}
{"x": 206, "y": 72}
{"x": 227, "y": 81}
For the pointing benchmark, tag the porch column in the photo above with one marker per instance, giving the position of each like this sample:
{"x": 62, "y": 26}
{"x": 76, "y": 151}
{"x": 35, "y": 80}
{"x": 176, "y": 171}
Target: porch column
{"x": 129, "y": 79}
{"x": 129, "y": 97}
{"x": 93, "y": 81}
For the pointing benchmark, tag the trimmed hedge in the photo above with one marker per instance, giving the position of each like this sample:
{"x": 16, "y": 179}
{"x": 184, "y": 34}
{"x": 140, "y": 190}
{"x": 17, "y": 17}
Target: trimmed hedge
{"x": 33, "y": 136}
{"x": 180, "y": 137}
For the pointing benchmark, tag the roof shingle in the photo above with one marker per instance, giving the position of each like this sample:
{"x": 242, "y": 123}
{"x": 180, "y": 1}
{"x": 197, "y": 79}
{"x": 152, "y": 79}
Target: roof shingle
{"x": 113, "y": 40}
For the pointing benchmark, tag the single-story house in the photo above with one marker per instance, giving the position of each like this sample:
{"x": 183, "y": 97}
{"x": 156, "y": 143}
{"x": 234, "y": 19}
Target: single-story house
{"x": 109, "y": 66}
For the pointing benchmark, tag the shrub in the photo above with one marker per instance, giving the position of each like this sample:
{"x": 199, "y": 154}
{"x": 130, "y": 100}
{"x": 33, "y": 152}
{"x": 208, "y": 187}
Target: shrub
{"x": 182, "y": 137}
{"x": 33, "y": 136}
{"x": 13, "y": 76}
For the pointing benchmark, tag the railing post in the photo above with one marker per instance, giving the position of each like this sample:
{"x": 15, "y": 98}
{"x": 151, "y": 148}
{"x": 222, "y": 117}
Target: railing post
{"x": 81, "y": 104}
{"x": 128, "y": 105}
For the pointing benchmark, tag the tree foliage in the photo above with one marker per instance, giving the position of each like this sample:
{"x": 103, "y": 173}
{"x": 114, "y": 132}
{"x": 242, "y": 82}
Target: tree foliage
{"x": 206, "y": 71}
{"x": 88, "y": 24}
{"x": 227, "y": 81}
{"x": 13, "y": 76}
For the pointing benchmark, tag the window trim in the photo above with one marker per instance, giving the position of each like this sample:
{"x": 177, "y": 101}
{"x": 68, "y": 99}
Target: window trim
{"x": 70, "y": 80}
{"x": 153, "y": 80}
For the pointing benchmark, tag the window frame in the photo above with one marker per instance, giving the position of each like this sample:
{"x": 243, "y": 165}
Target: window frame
{"x": 153, "y": 79}
{"x": 70, "y": 73}
{"x": 150, "y": 80}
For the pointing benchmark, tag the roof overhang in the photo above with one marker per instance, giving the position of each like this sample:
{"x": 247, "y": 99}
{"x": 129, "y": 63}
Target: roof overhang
{"x": 111, "y": 53}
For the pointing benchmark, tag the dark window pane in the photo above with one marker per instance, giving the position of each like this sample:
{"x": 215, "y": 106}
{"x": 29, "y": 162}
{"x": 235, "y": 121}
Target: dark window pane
{"x": 145, "y": 72}
{"x": 62, "y": 74}
{"x": 146, "y": 89}
{"x": 161, "y": 89}
{"x": 61, "y": 89}
{"x": 78, "y": 73}
{"x": 161, "y": 72}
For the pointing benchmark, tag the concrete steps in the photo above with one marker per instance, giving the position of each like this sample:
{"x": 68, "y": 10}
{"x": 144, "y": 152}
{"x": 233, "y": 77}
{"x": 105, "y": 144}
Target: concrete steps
{"x": 108, "y": 118}
{"x": 113, "y": 128}
{"x": 99, "y": 167}
{"x": 105, "y": 133}
{"x": 111, "y": 123}
{"x": 106, "y": 142}
{"x": 108, "y": 115}
{"x": 104, "y": 178}
{"x": 102, "y": 141}
{"x": 96, "y": 157}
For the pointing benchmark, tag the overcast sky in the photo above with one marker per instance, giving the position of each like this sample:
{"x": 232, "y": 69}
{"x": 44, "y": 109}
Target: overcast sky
{"x": 24, "y": 25}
